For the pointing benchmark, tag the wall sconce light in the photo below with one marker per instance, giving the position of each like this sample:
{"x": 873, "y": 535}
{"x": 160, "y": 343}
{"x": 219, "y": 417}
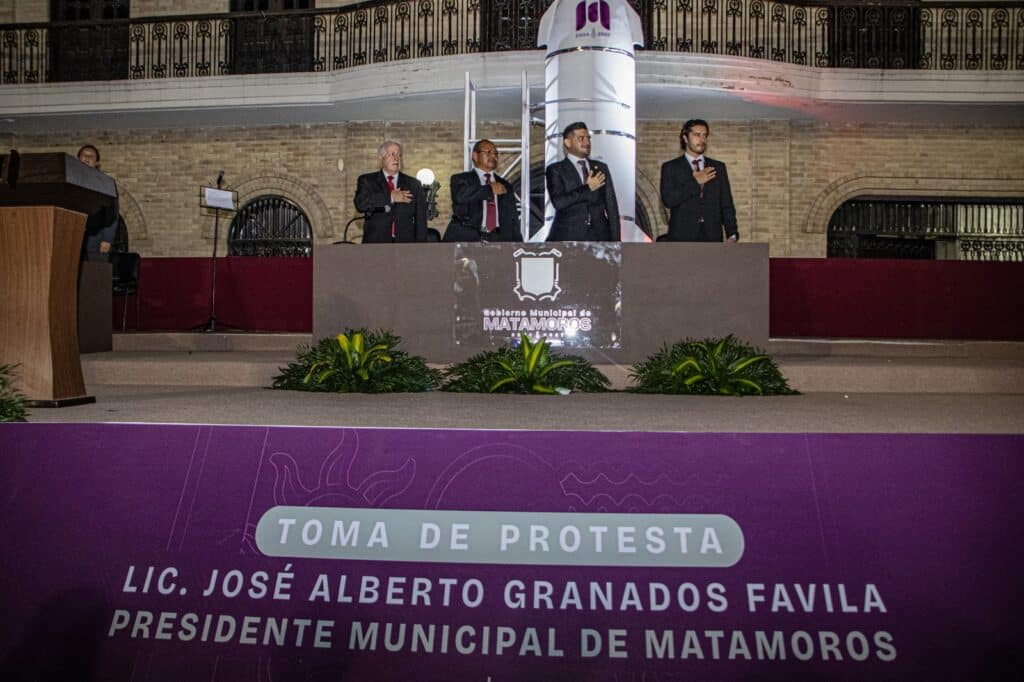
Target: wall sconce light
{"x": 430, "y": 187}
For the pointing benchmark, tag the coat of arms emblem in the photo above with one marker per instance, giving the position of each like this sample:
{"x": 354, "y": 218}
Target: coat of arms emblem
{"x": 537, "y": 274}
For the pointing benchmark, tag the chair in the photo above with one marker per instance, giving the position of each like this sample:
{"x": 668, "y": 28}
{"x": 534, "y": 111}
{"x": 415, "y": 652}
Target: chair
{"x": 344, "y": 236}
{"x": 126, "y": 282}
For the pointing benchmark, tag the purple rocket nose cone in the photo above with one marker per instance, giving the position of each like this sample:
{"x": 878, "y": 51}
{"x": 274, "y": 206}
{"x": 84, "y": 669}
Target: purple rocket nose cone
{"x": 594, "y": 12}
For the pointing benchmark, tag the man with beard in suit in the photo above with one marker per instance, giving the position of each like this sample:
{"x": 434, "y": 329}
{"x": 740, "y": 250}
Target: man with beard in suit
{"x": 393, "y": 202}
{"x": 582, "y": 193}
{"x": 483, "y": 206}
{"x": 695, "y": 189}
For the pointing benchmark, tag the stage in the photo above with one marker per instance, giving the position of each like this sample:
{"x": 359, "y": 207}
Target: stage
{"x": 855, "y": 386}
{"x": 814, "y": 412}
{"x": 193, "y": 523}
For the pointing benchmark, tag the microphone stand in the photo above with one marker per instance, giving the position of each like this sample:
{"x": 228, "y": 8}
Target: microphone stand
{"x": 211, "y": 323}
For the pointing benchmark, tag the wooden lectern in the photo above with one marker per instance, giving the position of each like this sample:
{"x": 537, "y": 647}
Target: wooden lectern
{"x": 44, "y": 202}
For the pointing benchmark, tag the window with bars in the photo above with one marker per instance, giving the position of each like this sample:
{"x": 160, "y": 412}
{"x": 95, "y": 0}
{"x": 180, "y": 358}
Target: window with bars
{"x": 88, "y": 10}
{"x": 269, "y": 5}
{"x": 272, "y": 42}
{"x": 942, "y": 229}
{"x": 270, "y": 226}
{"x": 89, "y": 40}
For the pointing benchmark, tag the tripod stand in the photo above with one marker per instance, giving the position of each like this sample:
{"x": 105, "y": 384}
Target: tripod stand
{"x": 218, "y": 199}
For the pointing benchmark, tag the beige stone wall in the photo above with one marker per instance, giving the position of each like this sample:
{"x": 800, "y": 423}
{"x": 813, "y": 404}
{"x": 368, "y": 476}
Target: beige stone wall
{"x": 24, "y": 11}
{"x": 832, "y": 163}
{"x": 163, "y": 8}
{"x": 29, "y": 11}
{"x": 787, "y": 178}
{"x": 153, "y": 8}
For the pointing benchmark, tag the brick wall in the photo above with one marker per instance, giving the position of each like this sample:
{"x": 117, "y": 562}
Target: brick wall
{"x": 158, "y": 8}
{"x": 787, "y": 178}
{"x": 24, "y": 11}
{"x": 163, "y": 8}
{"x": 30, "y": 11}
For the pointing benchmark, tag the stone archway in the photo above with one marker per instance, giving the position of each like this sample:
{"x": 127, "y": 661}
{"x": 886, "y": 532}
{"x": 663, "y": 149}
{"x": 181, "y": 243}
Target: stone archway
{"x": 134, "y": 219}
{"x": 294, "y": 190}
{"x": 852, "y": 186}
{"x": 648, "y": 195}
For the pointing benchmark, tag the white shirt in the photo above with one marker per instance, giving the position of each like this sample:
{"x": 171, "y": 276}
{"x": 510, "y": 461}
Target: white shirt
{"x": 494, "y": 179}
{"x": 576, "y": 164}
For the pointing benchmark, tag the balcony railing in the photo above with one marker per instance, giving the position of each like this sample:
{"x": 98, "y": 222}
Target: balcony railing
{"x": 902, "y": 35}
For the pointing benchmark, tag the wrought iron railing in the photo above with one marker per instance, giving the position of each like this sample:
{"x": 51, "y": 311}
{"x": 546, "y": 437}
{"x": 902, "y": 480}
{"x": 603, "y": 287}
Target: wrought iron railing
{"x": 270, "y": 226}
{"x": 948, "y": 36}
{"x": 952, "y": 229}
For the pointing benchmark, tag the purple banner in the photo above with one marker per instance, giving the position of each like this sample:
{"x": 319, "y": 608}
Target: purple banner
{"x": 153, "y": 552}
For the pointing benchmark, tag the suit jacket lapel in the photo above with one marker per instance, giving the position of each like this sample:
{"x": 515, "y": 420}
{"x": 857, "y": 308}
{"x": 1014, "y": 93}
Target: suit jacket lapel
{"x": 573, "y": 172}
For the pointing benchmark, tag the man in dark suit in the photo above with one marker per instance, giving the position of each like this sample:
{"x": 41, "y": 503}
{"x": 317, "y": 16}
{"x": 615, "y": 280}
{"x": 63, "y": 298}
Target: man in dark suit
{"x": 696, "y": 191}
{"x": 582, "y": 193}
{"x": 393, "y": 202}
{"x": 100, "y": 227}
{"x": 483, "y": 206}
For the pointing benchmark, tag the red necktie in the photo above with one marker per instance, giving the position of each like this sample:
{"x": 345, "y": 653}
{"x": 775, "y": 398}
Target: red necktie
{"x": 491, "y": 221}
{"x": 391, "y": 186}
{"x": 696, "y": 169}
{"x": 586, "y": 173}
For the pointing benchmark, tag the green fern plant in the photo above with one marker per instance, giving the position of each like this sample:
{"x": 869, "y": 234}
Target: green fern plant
{"x": 355, "y": 358}
{"x": 12, "y": 402}
{"x": 710, "y": 367}
{"x": 530, "y": 368}
{"x": 357, "y": 361}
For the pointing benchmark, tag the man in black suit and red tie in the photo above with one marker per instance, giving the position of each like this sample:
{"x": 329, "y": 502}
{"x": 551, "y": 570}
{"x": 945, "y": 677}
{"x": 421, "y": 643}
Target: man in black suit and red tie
{"x": 696, "y": 191}
{"x": 393, "y": 202}
{"x": 483, "y": 205}
{"x": 582, "y": 193}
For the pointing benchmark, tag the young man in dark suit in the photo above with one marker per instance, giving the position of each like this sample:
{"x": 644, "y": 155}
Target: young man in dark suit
{"x": 393, "y": 202}
{"x": 483, "y": 206}
{"x": 695, "y": 189}
{"x": 582, "y": 192}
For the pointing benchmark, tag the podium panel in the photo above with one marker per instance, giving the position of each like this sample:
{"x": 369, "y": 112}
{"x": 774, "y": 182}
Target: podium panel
{"x": 668, "y": 292}
{"x": 95, "y": 312}
{"x": 39, "y": 251}
{"x": 44, "y": 200}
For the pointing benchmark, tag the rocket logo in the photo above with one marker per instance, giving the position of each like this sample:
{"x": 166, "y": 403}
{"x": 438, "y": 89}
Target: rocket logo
{"x": 592, "y": 12}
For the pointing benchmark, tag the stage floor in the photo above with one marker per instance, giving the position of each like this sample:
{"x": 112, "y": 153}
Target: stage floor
{"x": 811, "y": 412}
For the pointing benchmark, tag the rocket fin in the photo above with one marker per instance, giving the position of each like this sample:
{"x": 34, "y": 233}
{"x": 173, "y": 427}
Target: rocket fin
{"x": 547, "y": 24}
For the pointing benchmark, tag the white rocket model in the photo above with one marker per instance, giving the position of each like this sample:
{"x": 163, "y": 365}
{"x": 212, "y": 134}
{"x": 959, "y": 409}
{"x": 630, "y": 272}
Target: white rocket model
{"x": 590, "y": 76}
